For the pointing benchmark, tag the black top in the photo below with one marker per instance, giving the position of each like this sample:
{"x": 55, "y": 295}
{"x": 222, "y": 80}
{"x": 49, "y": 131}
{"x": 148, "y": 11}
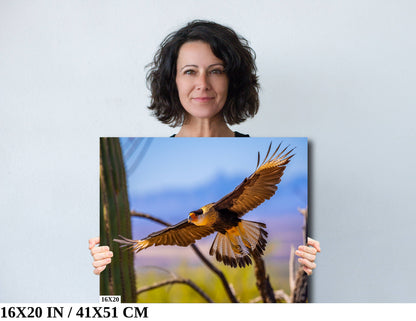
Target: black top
{"x": 236, "y": 134}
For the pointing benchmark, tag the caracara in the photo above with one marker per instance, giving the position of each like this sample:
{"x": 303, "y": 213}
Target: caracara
{"x": 237, "y": 240}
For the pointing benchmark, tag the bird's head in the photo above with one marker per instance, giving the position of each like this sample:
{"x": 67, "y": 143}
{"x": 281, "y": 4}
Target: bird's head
{"x": 193, "y": 216}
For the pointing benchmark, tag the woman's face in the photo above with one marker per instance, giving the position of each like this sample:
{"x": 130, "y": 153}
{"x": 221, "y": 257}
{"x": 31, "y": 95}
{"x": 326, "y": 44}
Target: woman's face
{"x": 201, "y": 81}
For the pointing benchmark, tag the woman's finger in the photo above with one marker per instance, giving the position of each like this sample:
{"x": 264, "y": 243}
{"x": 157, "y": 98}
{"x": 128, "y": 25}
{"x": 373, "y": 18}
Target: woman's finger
{"x": 307, "y": 270}
{"x": 305, "y": 255}
{"x": 102, "y": 255}
{"x": 99, "y": 249}
{"x": 98, "y": 270}
{"x": 93, "y": 242}
{"x": 307, "y": 263}
{"x": 101, "y": 263}
{"x": 307, "y": 249}
{"x": 314, "y": 243}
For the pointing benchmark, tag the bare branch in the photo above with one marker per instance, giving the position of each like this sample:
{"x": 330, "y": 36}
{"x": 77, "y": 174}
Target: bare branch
{"x": 263, "y": 282}
{"x": 304, "y": 212}
{"x": 280, "y": 295}
{"x": 221, "y": 275}
{"x": 150, "y": 217}
{"x": 300, "y": 291}
{"x": 176, "y": 281}
{"x": 292, "y": 277}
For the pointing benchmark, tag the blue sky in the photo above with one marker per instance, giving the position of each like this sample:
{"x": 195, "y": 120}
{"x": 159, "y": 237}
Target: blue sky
{"x": 189, "y": 162}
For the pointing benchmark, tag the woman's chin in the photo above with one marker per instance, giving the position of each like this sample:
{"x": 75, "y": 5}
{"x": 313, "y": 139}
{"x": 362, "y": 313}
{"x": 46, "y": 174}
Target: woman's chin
{"x": 204, "y": 114}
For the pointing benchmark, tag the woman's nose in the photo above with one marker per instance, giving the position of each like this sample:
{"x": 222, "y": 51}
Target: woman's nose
{"x": 203, "y": 81}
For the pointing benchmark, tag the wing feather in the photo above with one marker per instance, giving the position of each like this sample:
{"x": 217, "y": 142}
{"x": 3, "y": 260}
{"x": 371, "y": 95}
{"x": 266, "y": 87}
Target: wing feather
{"x": 181, "y": 234}
{"x": 259, "y": 186}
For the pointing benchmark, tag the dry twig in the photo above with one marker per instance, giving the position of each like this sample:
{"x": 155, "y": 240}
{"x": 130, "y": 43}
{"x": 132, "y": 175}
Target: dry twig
{"x": 280, "y": 295}
{"x": 263, "y": 282}
{"x": 299, "y": 283}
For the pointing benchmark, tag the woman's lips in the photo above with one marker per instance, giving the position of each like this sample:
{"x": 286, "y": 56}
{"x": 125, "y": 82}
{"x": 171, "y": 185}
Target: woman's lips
{"x": 203, "y": 99}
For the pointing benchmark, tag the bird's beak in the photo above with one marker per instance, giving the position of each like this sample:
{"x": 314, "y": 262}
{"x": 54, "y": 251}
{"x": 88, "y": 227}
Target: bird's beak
{"x": 191, "y": 217}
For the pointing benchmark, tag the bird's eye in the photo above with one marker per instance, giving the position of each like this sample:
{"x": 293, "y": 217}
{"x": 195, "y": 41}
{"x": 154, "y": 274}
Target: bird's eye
{"x": 197, "y": 212}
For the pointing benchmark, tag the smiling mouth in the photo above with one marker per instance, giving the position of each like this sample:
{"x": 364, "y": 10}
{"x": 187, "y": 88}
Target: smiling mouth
{"x": 203, "y": 99}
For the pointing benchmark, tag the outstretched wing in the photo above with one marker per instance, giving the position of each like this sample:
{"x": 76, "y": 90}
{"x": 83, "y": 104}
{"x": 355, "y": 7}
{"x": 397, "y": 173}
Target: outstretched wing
{"x": 181, "y": 234}
{"x": 259, "y": 186}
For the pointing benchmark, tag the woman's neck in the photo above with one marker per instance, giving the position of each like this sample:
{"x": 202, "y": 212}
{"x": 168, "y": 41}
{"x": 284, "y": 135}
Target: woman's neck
{"x": 194, "y": 127}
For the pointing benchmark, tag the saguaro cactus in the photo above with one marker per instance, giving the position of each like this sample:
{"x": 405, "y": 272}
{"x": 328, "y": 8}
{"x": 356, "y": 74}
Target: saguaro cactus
{"x": 118, "y": 278}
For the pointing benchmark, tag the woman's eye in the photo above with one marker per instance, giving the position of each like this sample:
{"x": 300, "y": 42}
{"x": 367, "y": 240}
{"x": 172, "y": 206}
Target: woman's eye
{"x": 189, "y": 72}
{"x": 217, "y": 71}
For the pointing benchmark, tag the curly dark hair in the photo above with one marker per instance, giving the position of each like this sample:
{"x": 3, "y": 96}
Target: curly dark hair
{"x": 239, "y": 59}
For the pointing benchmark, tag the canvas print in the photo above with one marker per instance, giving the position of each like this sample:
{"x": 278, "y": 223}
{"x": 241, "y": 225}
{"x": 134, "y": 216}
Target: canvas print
{"x": 204, "y": 219}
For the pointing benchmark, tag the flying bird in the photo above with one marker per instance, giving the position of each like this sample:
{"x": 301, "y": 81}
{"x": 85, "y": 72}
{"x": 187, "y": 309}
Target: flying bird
{"x": 237, "y": 240}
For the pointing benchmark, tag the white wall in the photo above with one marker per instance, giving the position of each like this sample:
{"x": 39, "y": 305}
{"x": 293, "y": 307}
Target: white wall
{"x": 339, "y": 72}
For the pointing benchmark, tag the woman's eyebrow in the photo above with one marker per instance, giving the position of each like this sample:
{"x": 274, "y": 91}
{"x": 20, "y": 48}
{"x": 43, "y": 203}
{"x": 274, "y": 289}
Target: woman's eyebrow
{"x": 195, "y": 66}
{"x": 217, "y": 64}
{"x": 210, "y": 66}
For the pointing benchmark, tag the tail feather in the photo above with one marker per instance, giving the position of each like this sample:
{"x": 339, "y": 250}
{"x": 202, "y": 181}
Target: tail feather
{"x": 240, "y": 243}
{"x": 132, "y": 244}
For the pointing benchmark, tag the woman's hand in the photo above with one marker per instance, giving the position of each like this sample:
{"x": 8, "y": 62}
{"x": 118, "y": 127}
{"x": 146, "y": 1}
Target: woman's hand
{"x": 307, "y": 255}
{"x": 101, "y": 254}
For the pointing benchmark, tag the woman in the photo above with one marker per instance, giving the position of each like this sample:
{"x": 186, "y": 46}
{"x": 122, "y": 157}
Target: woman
{"x": 203, "y": 78}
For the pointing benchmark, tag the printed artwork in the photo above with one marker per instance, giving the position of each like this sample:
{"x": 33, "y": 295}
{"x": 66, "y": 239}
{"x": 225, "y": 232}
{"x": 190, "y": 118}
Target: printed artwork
{"x": 206, "y": 219}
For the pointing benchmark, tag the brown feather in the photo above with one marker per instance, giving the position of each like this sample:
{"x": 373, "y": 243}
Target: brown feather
{"x": 181, "y": 234}
{"x": 259, "y": 186}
